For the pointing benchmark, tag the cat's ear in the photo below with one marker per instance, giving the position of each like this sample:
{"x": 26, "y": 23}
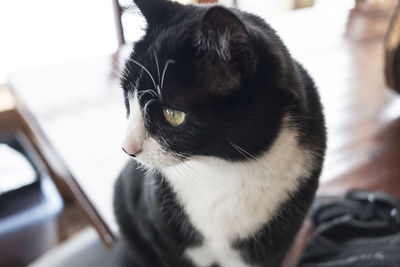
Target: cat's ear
{"x": 224, "y": 36}
{"x": 156, "y": 11}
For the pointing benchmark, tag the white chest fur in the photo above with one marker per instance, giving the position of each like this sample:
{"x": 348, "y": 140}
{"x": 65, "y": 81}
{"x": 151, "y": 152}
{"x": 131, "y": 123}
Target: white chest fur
{"x": 226, "y": 200}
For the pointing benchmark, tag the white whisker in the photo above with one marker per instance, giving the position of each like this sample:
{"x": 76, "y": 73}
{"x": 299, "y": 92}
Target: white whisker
{"x": 169, "y": 61}
{"x": 239, "y": 149}
{"x": 158, "y": 67}
{"x": 150, "y": 91}
{"x": 138, "y": 79}
{"x": 158, "y": 72}
{"x": 147, "y": 104}
{"x": 145, "y": 69}
{"x": 159, "y": 92}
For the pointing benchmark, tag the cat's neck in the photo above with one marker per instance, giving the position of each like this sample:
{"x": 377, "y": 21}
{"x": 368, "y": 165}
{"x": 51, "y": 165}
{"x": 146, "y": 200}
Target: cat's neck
{"x": 232, "y": 200}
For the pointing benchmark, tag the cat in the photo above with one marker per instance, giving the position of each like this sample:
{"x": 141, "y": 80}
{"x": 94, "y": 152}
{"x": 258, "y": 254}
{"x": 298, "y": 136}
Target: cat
{"x": 228, "y": 138}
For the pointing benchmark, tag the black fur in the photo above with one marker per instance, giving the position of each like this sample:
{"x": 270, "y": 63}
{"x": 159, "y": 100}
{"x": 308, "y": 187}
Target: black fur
{"x": 236, "y": 91}
{"x": 155, "y": 230}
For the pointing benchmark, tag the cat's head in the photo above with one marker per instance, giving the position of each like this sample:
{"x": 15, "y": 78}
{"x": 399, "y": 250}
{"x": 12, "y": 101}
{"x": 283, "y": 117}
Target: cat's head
{"x": 203, "y": 81}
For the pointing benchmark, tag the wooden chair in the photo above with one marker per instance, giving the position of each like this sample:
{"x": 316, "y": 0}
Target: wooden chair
{"x": 15, "y": 117}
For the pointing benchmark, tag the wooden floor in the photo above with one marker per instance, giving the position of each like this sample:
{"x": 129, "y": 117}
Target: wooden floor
{"x": 366, "y": 128}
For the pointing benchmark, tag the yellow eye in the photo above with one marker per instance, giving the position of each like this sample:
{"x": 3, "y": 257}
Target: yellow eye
{"x": 174, "y": 117}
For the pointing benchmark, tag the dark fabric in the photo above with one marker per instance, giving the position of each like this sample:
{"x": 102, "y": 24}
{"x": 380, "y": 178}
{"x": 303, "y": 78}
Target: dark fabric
{"x": 360, "y": 230}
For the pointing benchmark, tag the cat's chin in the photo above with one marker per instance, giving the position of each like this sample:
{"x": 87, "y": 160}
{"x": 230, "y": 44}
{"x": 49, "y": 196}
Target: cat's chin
{"x": 153, "y": 156}
{"x": 147, "y": 168}
{"x": 157, "y": 164}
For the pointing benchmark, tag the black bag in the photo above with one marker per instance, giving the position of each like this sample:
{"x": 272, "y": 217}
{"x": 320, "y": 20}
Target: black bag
{"x": 360, "y": 230}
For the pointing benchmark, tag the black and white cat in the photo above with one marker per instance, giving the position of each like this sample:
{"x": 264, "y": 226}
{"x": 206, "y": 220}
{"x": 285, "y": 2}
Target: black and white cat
{"x": 228, "y": 137}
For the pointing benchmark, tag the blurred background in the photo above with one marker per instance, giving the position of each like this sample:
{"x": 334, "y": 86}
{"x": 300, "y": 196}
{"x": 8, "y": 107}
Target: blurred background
{"x": 62, "y": 117}
{"x": 45, "y": 32}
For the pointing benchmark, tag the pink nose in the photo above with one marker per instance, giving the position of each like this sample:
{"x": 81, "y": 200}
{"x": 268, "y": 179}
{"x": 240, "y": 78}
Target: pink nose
{"x": 132, "y": 148}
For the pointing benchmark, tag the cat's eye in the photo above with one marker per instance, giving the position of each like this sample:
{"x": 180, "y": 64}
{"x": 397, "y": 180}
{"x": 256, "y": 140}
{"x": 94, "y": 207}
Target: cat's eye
{"x": 174, "y": 117}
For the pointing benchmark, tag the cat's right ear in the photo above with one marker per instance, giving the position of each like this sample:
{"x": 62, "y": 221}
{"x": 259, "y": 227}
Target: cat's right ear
{"x": 223, "y": 36}
{"x": 156, "y": 11}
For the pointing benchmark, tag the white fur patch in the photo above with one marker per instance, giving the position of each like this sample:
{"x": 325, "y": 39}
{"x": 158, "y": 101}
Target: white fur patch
{"x": 211, "y": 253}
{"x": 226, "y": 201}
{"x": 152, "y": 155}
{"x": 136, "y": 132}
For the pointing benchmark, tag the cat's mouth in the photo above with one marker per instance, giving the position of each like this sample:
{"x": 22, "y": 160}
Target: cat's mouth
{"x": 151, "y": 155}
{"x": 131, "y": 155}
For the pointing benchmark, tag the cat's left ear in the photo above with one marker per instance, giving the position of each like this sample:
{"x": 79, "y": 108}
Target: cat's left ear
{"x": 157, "y": 11}
{"x": 222, "y": 35}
